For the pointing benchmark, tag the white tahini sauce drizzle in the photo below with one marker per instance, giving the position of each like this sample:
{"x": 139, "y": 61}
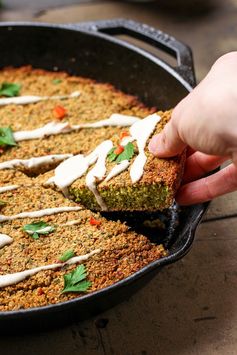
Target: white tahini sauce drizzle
{"x": 41, "y": 230}
{"x": 80, "y": 258}
{"x": 71, "y": 223}
{"x": 116, "y": 119}
{"x": 51, "y": 128}
{"x": 126, "y": 140}
{"x": 8, "y": 188}
{"x": 78, "y": 166}
{"x": 24, "y": 100}
{"x": 69, "y": 171}
{"x": 5, "y": 240}
{"x": 98, "y": 172}
{"x": 34, "y": 162}
{"x": 40, "y": 213}
{"x": 54, "y": 128}
{"x": 11, "y": 279}
{"x": 141, "y": 131}
{"x": 117, "y": 169}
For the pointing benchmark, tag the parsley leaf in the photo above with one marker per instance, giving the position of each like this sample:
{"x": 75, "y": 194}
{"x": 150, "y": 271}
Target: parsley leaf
{"x": 76, "y": 281}
{"x": 36, "y": 228}
{"x": 6, "y": 136}
{"x": 56, "y": 81}
{"x": 127, "y": 154}
{"x": 111, "y": 155}
{"x": 68, "y": 254}
{"x": 9, "y": 89}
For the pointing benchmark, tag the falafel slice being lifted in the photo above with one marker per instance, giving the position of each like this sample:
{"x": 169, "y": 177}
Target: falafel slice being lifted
{"x": 121, "y": 173}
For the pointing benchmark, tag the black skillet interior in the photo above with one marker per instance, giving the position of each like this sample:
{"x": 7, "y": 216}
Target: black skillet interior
{"x": 92, "y": 50}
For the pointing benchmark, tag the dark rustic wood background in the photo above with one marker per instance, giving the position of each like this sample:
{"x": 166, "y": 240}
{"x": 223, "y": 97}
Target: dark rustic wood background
{"x": 191, "y": 307}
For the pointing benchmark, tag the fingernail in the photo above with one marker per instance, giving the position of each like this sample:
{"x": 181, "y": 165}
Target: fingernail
{"x": 153, "y": 145}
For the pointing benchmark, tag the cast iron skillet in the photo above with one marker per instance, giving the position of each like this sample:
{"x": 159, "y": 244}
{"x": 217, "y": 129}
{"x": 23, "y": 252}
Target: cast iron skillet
{"x": 92, "y": 50}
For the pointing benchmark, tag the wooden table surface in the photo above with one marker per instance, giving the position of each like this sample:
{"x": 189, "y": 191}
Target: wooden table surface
{"x": 191, "y": 307}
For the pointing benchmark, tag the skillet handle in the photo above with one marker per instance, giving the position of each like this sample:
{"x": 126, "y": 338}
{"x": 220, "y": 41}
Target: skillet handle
{"x": 181, "y": 52}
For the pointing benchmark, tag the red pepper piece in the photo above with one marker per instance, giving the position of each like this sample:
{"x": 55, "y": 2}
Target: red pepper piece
{"x": 40, "y": 291}
{"x": 59, "y": 112}
{"x": 119, "y": 149}
{"x": 94, "y": 222}
{"x": 124, "y": 134}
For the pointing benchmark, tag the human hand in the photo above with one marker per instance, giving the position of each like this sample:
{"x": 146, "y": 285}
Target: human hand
{"x": 206, "y": 121}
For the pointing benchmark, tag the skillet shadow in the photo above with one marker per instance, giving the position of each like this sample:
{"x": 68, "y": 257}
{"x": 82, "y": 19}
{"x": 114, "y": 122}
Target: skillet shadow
{"x": 185, "y": 309}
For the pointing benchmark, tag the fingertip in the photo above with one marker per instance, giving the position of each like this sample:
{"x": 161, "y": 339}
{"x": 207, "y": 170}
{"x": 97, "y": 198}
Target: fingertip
{"x": 161, "y": 148}
{"x": 157, "y": 146}
{"x": 154, "y": 145}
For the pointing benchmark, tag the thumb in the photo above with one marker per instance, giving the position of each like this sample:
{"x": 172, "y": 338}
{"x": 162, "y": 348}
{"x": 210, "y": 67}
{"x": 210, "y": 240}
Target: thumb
{"x": 167, "y": 143}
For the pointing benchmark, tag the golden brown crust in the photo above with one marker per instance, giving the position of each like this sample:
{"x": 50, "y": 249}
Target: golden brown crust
{"x": 98, "y": 101}
{"x": 122, "y": 250}
{"x": 163, "y": 175}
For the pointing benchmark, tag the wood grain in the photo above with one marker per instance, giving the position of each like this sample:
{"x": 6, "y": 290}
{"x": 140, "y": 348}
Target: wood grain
{"x": 190, "y": 308}
{"x": 209, "y": 27}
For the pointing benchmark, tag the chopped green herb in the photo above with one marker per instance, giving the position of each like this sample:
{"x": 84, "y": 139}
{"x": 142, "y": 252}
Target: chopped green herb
{"x": 127, "y": 154}
{"x": 76, "y": 281}
{"x": 6, "y": 136}
{"x": 36, "y": 228}
{"x": 56, "y": 81}
{"x": 67, "y": 255}
{"x": 111, "y": 155}
{"x": 9, "y": 89}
